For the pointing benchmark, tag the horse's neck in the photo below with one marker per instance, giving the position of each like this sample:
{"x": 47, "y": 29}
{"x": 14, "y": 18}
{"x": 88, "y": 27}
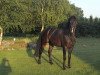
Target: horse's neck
{"x": 66, "y": 31}
{"x": 72, "y": 37}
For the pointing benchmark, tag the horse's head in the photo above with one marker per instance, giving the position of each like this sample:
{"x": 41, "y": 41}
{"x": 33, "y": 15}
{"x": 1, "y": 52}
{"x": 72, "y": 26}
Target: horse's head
{"x": 72, "y": 24}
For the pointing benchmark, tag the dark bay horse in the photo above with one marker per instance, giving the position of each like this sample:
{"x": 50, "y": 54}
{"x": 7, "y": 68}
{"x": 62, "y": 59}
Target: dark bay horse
{"x": 62, "y": 37}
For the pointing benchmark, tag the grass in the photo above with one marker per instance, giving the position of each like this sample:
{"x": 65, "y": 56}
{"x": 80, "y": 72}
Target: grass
{"x": 85, "y": 60}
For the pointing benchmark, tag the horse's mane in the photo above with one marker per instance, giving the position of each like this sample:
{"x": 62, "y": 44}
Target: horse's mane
{"x": 66, "y": 24}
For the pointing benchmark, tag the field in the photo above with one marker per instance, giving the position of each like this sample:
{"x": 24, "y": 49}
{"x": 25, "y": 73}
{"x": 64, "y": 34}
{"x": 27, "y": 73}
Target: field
{"x": 15, "y": 59}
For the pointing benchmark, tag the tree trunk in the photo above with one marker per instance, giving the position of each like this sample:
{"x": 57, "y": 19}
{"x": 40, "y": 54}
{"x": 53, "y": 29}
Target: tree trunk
{"x": 1, "y": 34}
{"x": 42, "y": 21}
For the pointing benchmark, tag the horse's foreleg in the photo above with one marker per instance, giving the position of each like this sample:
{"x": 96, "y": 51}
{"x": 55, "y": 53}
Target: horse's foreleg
{"x": 64, "y": 58}
{"x": 69, "y": 57}
{"x": 49, "y": 53}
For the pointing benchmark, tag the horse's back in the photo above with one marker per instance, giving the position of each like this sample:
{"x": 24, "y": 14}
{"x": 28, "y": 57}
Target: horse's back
{"x": 56, "y": 37}
{"x": 46, "y": 34}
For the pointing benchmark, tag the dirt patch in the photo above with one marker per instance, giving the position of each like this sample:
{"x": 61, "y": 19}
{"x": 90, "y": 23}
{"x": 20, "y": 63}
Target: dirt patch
{"x": 11, "y": 45}
{"x": 17, "y": 45}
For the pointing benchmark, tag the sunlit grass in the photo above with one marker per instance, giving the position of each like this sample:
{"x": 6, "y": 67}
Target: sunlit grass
{"x": 85, "y": 60}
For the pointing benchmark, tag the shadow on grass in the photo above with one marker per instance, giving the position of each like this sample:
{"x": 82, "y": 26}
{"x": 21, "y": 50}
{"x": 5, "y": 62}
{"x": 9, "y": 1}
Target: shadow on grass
{"x": 5, "y": 67}
{"x": 93, "y": 60}
{"x": 31, "y": 47}
{"x": 55, "y": 60}
{"x": 88, "y": 50}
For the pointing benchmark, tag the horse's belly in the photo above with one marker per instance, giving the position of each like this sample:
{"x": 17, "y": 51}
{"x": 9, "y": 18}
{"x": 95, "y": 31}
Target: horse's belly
{"x": 55, "y": 41}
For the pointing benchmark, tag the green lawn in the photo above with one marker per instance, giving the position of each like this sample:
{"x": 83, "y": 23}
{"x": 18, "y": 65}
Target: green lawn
{"x": 85, "y": 60}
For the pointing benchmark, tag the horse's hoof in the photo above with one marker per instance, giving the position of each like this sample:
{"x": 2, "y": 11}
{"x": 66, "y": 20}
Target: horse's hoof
{"x": 51, "y": 62}
{"x": 69, "y": 67}
{"x": 64, "y": 68}
{"x": 39, "y": 62}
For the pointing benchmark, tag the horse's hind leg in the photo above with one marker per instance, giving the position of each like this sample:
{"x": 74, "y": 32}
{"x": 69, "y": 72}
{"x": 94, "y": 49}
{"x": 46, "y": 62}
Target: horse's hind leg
{"x": 40, "y": 53}
{"x": 49, "y": 53}
{"x": 64, "y": 58}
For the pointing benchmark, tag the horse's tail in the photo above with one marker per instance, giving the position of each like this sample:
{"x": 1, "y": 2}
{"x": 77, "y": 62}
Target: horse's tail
{"x": 38, "y": 46}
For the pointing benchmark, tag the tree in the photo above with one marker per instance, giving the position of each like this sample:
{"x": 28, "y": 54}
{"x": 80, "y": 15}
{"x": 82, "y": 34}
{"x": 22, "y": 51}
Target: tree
{"x": 24, "y": 16}
{"x": 52, "y": 12}
{"x": 15, "y": 16}
{"x": 91, "y": 20}
{"x": 1, "y": 35}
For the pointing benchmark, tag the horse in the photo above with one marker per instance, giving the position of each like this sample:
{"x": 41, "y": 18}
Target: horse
{"x": 62, "y": 37}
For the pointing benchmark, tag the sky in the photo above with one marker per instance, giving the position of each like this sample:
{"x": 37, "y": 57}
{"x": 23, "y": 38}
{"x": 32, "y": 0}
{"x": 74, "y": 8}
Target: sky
{"x": 89, "y": 7}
